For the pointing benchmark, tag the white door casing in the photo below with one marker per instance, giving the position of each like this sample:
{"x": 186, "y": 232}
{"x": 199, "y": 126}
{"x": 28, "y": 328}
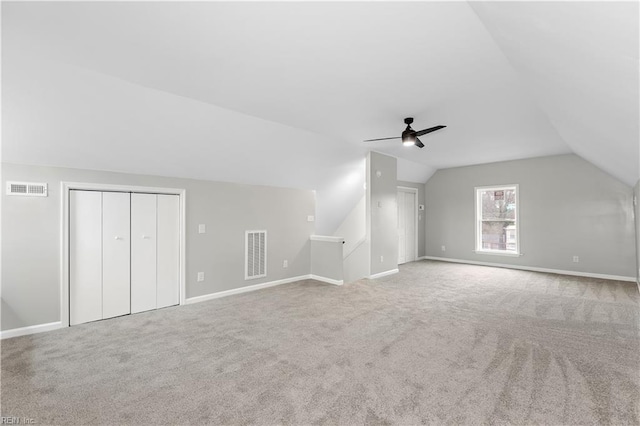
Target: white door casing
{"x": 68, "y": 238}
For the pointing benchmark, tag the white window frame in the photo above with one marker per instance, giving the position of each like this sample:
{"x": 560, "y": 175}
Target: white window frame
{"x": 478, "y": 226}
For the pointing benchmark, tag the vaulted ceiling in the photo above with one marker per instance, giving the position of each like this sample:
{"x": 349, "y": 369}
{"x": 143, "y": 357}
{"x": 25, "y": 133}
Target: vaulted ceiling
{"x": 284, "y": 93}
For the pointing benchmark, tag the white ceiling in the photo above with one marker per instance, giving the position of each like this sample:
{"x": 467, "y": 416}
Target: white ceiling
{"x": 284, "y": 93}
{"x": 579, "y": 61}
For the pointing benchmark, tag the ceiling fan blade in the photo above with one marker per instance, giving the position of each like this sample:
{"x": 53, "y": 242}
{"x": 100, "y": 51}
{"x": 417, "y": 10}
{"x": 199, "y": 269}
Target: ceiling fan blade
{"x": 381, "y": 139}
{"x": 419, "y": 144}
{"x": 429, "y": 130}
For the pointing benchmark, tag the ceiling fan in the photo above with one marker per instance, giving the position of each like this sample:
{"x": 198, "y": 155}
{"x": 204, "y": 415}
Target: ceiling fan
{"x": 410, "y": 136}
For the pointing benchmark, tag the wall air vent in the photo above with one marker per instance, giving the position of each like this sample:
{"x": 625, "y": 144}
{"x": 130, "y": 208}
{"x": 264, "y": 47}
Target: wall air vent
{"x": 27, "y": 189}
{"x": 255, "y": 261}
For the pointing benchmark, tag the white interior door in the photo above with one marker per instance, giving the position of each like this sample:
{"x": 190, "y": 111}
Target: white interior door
{"x": 410, "y": 227}
{"x": 85, "y": 256}
{"x": 168, "y": 251}
{"x": 407, "y": 232}
{"x": 116, "y": 243}
{"x": 143, "y": 252}
{"x": 402, "y": 232}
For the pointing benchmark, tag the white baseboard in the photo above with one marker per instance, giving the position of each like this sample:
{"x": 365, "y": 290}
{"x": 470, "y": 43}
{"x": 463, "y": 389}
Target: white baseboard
{"x": 383, "y": 274}
{"x": 326, "y": 280}
{"x": 246, "y": 289}
{"x": 32, "y": 329}
{"x": 533, "y": 268}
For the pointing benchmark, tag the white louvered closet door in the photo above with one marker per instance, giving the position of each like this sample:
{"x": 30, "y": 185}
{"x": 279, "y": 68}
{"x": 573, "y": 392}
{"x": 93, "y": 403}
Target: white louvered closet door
{"x": 143, "y": 252}
{"x": 85, "y": 256}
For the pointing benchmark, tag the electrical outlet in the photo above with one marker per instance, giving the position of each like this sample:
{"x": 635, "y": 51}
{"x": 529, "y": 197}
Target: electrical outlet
{"x": 381, "y": 259}
{"x": 285, "y": 263}
{"x": 310, "y": 218}
{"x": 443, "y": 248}
{"x": 576, "y": 259}
{"x": 200, "y": 276}
{"x": 202, "y": 228}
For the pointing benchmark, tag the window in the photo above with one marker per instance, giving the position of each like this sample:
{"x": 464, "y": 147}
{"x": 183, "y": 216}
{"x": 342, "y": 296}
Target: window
{"x": 497, "y": 220}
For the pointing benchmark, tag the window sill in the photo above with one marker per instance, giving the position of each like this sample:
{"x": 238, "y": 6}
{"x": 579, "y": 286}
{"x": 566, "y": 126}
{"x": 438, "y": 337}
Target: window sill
{"x": 499, "y": 253}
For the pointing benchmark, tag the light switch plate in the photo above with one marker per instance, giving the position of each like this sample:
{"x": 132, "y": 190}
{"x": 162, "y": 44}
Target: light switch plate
{"x": 311, "y": 218}
{"x": 202, "y": 228}
{"x": 200, "y": 276}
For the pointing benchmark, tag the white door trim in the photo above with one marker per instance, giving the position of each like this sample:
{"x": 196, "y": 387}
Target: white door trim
{"x": 64, "y": 233}
{"x": 415, "y": 216}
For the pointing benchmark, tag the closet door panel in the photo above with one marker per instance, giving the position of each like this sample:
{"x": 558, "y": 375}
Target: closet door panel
{"x": 85, "y": 256}
{"x": 143, "y": 252}
{"x": 168, "y": 251}
{"x": 116, "y": 285}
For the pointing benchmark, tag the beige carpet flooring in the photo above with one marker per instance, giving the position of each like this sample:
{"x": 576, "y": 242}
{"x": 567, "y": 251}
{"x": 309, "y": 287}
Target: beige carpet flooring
{"x": 438, "y": 343}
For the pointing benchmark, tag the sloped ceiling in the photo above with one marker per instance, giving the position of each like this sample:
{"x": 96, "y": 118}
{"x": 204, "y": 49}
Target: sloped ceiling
{"x": 284, "y": 93}
{"x": 579, "y": 61}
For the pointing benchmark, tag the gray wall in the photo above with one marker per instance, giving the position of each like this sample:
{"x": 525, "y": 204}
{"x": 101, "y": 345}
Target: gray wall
{"x": 356, "y": 245}
{"x": 421, "y": 219}
{"x": 567, "y": 207}
{"x": 326, "y": 259}
{"x": 382, "y": 208}
{"x": 356, "y": 263}
{"x": 354, "y": 227}
{"x": 31, "y": 236}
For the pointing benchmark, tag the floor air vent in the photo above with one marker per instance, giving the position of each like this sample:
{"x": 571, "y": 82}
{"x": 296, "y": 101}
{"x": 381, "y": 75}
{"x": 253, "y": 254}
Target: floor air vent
{"x": 27, "y": 189}
{"x": 255, "y": 254}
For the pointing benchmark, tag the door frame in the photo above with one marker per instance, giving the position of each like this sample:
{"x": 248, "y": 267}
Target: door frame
{"x": 415, "y": 216}
{"x": 65, "y": 188}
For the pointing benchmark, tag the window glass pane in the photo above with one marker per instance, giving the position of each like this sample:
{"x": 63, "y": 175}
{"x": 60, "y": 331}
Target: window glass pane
{"x": 499, "y": 204}
{"x": 497, "y": 236}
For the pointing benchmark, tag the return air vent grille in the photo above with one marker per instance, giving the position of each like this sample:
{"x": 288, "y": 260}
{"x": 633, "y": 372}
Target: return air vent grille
{"x": 27, "y": 189}
{"x": 255, "y": 254}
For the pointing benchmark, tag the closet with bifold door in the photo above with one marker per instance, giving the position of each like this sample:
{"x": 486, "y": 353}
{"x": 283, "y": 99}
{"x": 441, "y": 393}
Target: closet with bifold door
{"x": 124, "y": 253}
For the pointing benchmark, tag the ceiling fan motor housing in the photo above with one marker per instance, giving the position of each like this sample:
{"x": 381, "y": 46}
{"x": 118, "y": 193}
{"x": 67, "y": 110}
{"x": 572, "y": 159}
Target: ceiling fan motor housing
{"x": 409, "y": 136}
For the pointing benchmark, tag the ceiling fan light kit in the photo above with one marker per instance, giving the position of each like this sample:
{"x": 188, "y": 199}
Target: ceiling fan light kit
{"x": 409, "y": 136}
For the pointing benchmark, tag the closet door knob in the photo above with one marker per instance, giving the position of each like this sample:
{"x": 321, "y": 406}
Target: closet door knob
{"x": 118, "y": 237}
{"x": 146, "y": 237}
